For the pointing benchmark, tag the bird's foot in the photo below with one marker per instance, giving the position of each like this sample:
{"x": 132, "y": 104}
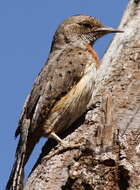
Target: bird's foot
{"x": 67, "y": 145}
{"x": 64, "y": 146}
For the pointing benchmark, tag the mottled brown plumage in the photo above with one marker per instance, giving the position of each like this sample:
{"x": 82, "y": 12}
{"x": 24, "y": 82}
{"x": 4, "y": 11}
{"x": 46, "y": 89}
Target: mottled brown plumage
{"x": 62, "y": 89}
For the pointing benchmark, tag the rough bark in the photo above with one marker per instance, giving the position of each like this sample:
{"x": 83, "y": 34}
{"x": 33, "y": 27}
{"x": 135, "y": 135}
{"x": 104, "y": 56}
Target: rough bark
{"x": 109, "y": 133}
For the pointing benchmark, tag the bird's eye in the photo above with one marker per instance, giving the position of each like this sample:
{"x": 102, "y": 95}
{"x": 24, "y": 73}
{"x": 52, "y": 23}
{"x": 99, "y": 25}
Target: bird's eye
{"x": 87, "y": 25}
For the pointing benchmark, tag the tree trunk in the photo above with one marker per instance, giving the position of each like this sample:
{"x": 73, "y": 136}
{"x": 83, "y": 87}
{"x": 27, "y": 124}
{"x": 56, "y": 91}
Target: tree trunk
{"x": 109, "y": 133}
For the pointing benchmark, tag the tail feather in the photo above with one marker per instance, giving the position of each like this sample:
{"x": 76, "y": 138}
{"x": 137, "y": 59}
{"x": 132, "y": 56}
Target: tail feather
{"x": 17, "y": 174}
{"x": 15, "y": 181}
{"x": 23, "y": 153}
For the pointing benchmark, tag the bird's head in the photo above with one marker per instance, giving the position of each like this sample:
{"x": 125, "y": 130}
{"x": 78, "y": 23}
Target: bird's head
{"x": 81, "y": 29}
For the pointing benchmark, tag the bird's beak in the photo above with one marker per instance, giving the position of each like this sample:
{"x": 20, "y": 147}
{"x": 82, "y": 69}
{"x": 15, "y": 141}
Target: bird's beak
{"x": 108, "y": 30}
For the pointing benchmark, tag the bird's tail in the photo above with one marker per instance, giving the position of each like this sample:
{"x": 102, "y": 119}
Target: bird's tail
{"x": 16, "y": 178}
{"x": 24, "y": 149}
{"x": 17, "y": 174}
{"x": 15, "y": 181}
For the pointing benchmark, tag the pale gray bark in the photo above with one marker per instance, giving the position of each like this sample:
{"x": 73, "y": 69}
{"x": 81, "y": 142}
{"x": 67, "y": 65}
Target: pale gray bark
{"x": 109, "y": 157}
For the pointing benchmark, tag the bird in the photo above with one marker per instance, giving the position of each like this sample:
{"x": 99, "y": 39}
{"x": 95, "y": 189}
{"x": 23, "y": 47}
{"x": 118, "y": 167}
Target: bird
{"x": 62, "y": 89}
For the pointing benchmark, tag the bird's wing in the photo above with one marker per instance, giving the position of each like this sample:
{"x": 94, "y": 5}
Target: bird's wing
{"x": 58, "y": 76}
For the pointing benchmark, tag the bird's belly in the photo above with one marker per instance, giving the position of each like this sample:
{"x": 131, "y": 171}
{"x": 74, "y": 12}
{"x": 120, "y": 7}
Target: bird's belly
{"x": 73, "y": 104}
